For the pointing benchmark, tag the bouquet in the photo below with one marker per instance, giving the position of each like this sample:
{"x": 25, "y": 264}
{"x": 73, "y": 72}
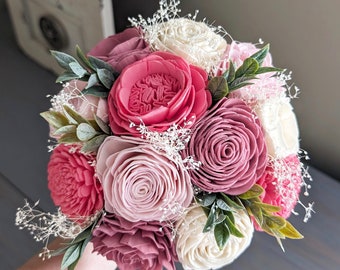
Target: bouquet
{"x": 170, "y": 144}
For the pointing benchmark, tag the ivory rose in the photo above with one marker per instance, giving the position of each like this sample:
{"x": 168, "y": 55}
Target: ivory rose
{"x": 281, "y": 129}
{"x": 140, "y": 183}
{"x": 229, "y": 142}
{"x": 72, "y": 182}
{"x": 198, "y": 250}
{"x": 159, "y": 90}
{"x": 195, "y": 41}
{"x": 122, "y": 49}
{"x": 138, "y": 245}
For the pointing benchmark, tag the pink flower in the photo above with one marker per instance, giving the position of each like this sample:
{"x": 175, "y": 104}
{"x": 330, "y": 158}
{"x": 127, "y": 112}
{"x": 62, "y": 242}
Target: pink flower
{"x": 229, "y": 142}
{"x": 140, "y": 183}
{"x": 264, "y": 86}
{"x": 281, "y": 182}
{"x": 141, "y": 245}
{"x": 159, "y": 90}
{"x": 122, "y": 49}
{"x": 72, "y": 182}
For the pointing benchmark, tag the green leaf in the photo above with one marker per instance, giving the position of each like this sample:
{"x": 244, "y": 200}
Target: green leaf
{"x": 231, "y": 75}
{"x": 55, "y": 119}
{"x": 218, "y": 87}
{"x": 268, "y": 69}
{"x": 249, "y": 67}
{"x": 230, "y": 202}
{"x": 221, "y": 234}
{"x": 83, "y": 58}
{"x": 67, "y": 76}
{"x": 78, "y": 69}
{"x": 71, "y": 255}
{"x": 73, "y": 116}
{"x": 260, "y": 55}
{"x": 63, "y": 59}
{"x": 275, "y": 222}
{"x": 256, "y": 211}
{"x": 268, "y": 207}
{"x": 97, "y": 91}
{"x": 223, "y": 205}
{"x": 65, "y": 130}
{"x": 208, "y": 199}
{"x": 219, "y": 219}
{"x": 102, "y": 125}
{"x": 106, "y": 77}
{"x": 92, "y": 145}
{"x": 69, "y": 138}
{"x": 210, "y": 220}
{"x": 85, "y": 132}
{"x": 255, "y": 191}
{"x": 232, "y": 228}
{"x": 100, "y": 64}
{"x": 93, "y": 80}
{"x": 289, "y": 231}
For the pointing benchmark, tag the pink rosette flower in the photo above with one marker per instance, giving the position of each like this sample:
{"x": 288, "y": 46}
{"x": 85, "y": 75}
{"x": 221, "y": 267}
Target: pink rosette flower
{"x": 159, "y": 90}
{"x": 72, "y": 182}
{"x": 140, "y": 245}
{"x": 122, "y": 49}
{"x": 281, "y": 182}
{"x": 264, "y": 86}
{"x": 229, "y": 142}
{"x": 140, "y": 183}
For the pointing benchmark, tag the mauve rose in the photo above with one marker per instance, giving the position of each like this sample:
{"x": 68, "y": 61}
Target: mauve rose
{"x": 141, "y": 245}
{"x": 159, "y": 90}
{"x": 122, "y": 49}
{"x": 72, "y": 182}
{"x": 140, "y": 183}
{"x": 281, "y": 182}
{"x": 229, "y": 142}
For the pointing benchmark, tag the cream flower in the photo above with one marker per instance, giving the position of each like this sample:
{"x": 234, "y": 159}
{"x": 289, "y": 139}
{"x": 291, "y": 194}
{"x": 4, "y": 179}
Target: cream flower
{"x": 195, "y": 41}
{"x": 198, "y": 250}
{"x": 281, "y": 129}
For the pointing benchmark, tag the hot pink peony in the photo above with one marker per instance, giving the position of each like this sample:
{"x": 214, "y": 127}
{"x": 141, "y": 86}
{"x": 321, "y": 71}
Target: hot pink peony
{"x": 140, "y": 183}
{"x": 72, "y": 182}
{"x": 141, "y": 245}
{"x": 159, "y": 90}
{"x": 230, "y": 144}
{"x": 122, "y": 49}
{"x": 282, "y": 184}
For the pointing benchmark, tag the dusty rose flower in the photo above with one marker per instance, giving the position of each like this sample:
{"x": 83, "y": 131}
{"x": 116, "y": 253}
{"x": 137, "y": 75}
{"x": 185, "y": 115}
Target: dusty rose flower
{"x": 140, "y": 183}
{"x": 159, "y": 90}
{"x": 229, "y": 142}
{"x": 72, "y": 182}
{"x": 122, "y": 49}
{"x": 198, "y": 250}
{"x": 281, "y": 182}
{"x": 138, "y": 245}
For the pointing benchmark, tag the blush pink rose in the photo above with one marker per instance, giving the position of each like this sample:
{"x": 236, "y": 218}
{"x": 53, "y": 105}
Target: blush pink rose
{"x": 281, "y": 182}
{"x": 266, "y": 85}
{"x": 229, "y": 142}
{"x": 141, "y": 245}
{"x": 159, "y": 90}
{"x": 72, "y": 182}
{"x": 140, "y": 183}
{"x": 122, "y": 49}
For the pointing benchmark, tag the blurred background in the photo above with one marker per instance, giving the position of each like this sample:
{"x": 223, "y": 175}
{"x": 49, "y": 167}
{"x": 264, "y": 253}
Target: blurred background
{"x": 304, "y": 37}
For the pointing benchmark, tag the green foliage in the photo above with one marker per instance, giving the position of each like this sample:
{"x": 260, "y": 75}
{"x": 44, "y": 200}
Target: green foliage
{"x": 230, "y": 80}
{"x": 71, "y": 127}
{"x": 98, "y": 74}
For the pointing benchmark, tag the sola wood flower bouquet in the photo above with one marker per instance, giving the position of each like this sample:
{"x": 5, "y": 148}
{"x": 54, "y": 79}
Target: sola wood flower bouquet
{"x": 172, "y": 145}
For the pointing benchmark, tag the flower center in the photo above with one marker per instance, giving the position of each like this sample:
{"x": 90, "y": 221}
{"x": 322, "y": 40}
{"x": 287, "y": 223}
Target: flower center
{"x": 152, "y": 91}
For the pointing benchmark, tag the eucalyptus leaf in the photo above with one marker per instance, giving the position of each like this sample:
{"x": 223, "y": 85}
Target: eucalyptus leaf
{"x": 65, "y": 130}
{"x": 73, "y": 115}
{"x": 249, "y": 67}
{"x": 221, "y": 218}
{"x": 63, "y": 59}
{"x": 261, "y": 54}
{"x": 106, "y": 77}
{"x": 78, "y": 69}
{"x": 253, "y": 192}
{"x": 221, "y": 233}
{"x": 67, "y": 76}
{"x": 100, "y": 64}
{"x": 85, "y": 132}
{"x": 92, "y": 145}
{"x": 71, "y": 255}
{"x": 223, "y": 205}
{"x": 102, "y": 125}
{"x": 84, "y": 59}
{"x": 97, "y": 91}
{"x": 230, "y": 202}
{"x": 55, "y": 119}
{"x": 69, "y": 138}
{"x": 208, "y": 199}
{"x": 93, "y": 80}
{"x": 218, "y": 87}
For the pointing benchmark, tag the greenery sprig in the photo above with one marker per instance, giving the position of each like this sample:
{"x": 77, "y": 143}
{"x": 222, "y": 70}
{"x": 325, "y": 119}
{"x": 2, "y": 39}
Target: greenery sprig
{"x": 98, "y": 74}
{"x": 71, "y": 127}
{"x": 220, "y": 207}
{"x": 232, "y": 79}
